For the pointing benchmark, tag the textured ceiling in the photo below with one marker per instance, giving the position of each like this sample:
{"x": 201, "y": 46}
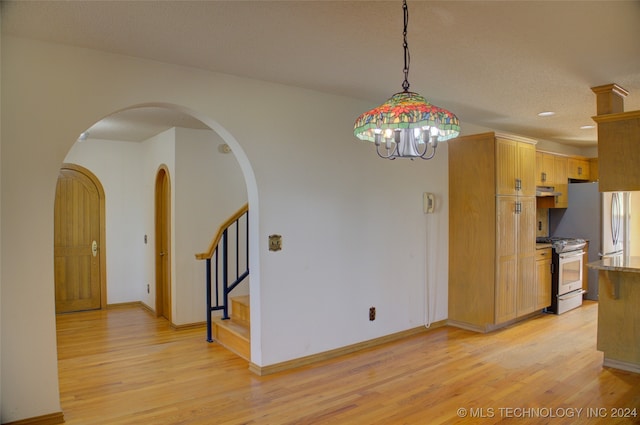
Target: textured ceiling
{"x": 495, "y": 64}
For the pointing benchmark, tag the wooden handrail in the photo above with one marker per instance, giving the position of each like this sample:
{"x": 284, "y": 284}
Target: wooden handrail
{"x": 214, "y": 243}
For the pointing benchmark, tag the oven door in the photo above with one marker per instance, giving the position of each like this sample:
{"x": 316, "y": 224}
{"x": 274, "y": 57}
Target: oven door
{"x": 570, "y": 271}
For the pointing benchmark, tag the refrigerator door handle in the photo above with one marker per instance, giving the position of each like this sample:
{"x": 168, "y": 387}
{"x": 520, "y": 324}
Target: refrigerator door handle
{"x": 615, "y": 218}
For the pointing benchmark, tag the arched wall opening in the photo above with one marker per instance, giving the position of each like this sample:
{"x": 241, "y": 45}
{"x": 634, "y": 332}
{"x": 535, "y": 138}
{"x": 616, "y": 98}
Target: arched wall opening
{"x": 186, "y": 155}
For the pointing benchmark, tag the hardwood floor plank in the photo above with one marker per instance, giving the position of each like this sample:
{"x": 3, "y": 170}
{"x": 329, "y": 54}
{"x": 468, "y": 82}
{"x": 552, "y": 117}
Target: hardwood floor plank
{"x": 125, "y": 367}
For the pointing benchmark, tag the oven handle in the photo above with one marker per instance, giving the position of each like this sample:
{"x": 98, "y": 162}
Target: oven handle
{"x": 565, "y": 255}
{"x": 571, "y": 294}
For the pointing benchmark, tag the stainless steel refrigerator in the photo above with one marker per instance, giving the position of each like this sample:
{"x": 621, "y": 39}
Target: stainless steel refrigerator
{"x": 602, "y": 218}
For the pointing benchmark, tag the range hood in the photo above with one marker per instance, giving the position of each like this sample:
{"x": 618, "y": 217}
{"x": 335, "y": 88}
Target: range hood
{"x": 542, "y": 191}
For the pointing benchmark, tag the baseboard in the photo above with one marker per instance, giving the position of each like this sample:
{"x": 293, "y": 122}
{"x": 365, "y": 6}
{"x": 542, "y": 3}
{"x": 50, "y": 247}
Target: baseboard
{"x": 488, "y": 327}
{"x": 619, "y": 364}
{"x": 468, "y": 326}
{"x": 326, "y": 355}
{"x": 124, "y": 305}
{"x": 144, "y": 306}
{"x": 50, "y": 419}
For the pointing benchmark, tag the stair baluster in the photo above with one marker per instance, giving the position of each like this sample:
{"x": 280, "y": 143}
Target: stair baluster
{"x": 212, "y": 256}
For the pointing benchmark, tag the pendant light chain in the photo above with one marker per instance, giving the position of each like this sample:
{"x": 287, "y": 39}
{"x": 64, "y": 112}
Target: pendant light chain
{"x": 405, "y": 44}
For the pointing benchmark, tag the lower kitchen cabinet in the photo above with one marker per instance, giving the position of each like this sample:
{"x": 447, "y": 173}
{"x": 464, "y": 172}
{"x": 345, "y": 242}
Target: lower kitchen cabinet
{"x": 543, "y": 278}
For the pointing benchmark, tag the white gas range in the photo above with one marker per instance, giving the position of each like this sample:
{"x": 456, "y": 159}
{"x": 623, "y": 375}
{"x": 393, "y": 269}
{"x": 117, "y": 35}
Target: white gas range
{"x": 566, "y": 273}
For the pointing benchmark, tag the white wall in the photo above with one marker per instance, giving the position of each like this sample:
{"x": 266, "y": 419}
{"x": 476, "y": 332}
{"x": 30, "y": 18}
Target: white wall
{"x": 354, "y": 234}
{"x": 210, "y": 187}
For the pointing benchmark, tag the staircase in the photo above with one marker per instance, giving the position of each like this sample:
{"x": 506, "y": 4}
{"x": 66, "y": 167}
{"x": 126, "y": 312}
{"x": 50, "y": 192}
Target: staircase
{"x": 226, "y": 267}
{"x": 234, "y": 333}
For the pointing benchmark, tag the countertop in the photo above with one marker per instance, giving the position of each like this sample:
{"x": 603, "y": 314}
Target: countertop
{"x": 619, "y": 263}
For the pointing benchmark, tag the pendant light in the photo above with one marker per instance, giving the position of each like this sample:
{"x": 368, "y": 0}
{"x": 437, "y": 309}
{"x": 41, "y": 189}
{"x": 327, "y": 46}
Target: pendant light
{"x": 406, "y": 125}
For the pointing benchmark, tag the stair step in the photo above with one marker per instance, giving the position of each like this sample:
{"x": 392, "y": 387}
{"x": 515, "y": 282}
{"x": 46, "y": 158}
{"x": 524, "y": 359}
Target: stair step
{"x": 233, "y": 335}
{"x": 240, "y": 310}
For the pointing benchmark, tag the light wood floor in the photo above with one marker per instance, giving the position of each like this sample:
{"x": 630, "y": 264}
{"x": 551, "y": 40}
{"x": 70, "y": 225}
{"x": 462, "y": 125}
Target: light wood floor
{"x": 124, "y": 366}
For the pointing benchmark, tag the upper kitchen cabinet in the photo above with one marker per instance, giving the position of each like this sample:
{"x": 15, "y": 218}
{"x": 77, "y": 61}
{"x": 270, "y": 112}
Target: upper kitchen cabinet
{"x": 618, "y": 141}
{"x": 515, "y": 167}
{"x": 552, "y": 171}
{"x": 578, "y": 168}
{"x": 544, "y": 169}
{"x": 561, "y": 181}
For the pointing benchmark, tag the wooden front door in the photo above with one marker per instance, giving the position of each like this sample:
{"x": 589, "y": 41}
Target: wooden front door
{"x": 163, "y": 243}
{"x": 78, "y": 236}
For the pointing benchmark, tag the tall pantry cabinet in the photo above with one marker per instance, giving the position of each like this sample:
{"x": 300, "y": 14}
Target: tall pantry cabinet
{"x": 492, "y": 219}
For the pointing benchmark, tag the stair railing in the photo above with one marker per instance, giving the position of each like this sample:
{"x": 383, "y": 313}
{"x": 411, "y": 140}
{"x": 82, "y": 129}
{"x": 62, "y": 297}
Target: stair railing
{"x": 234, "y": 232}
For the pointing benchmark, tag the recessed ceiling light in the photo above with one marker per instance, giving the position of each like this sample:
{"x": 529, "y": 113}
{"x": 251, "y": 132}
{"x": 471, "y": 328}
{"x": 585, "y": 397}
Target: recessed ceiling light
{"x": 587, "y": 127}
{"x": 546, "y": 114}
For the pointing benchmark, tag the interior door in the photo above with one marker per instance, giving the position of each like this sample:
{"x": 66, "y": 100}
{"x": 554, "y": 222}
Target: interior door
{"x": 78, "y": 234}
{"x": 163, "y": 243}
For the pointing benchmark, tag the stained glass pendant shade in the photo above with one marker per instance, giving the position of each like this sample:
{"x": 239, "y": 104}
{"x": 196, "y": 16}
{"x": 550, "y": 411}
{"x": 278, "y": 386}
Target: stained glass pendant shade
{"x": 406, "y": 125}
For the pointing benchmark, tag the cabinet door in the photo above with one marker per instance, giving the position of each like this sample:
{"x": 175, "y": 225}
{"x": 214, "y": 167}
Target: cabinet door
{"x": 506, "y": 167}
{"x": 543, "y": 277}
{"x": 578, "y": 168}
{"x": 527, "y": 169}
{"x": 539, "y": 169}
{"x": 561, "y": 183}
{"x": 544, "y": 169}
{"x": 506, "y": 258}
{"x": 527, "y": 284}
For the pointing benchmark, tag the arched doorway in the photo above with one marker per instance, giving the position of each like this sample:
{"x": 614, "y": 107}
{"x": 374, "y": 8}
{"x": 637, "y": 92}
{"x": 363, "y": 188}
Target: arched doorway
{"x": 132, "y": 261}
{"x": 79, "y": 235}
{"x": 163, "y": 243}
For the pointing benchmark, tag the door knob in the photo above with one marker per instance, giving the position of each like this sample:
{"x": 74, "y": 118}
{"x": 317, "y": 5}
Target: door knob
{"x": 94, "y": 248}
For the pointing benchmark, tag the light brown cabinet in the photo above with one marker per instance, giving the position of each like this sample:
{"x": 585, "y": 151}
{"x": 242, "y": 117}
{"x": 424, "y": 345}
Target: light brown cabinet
{"x": 578, "y": 168}
{"x": 544, "y": 169}
{"x": 555, "y": 170}
{"x": 492, "y": 215}
{"x": 561, "y": 181}
{"x": 543, "y": 278}
{"x": 515, "y": 273}
{"x": 515, "y": 167}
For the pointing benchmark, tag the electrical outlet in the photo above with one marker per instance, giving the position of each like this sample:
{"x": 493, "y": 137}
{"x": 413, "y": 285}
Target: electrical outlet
{"x": 372, "y": 313}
